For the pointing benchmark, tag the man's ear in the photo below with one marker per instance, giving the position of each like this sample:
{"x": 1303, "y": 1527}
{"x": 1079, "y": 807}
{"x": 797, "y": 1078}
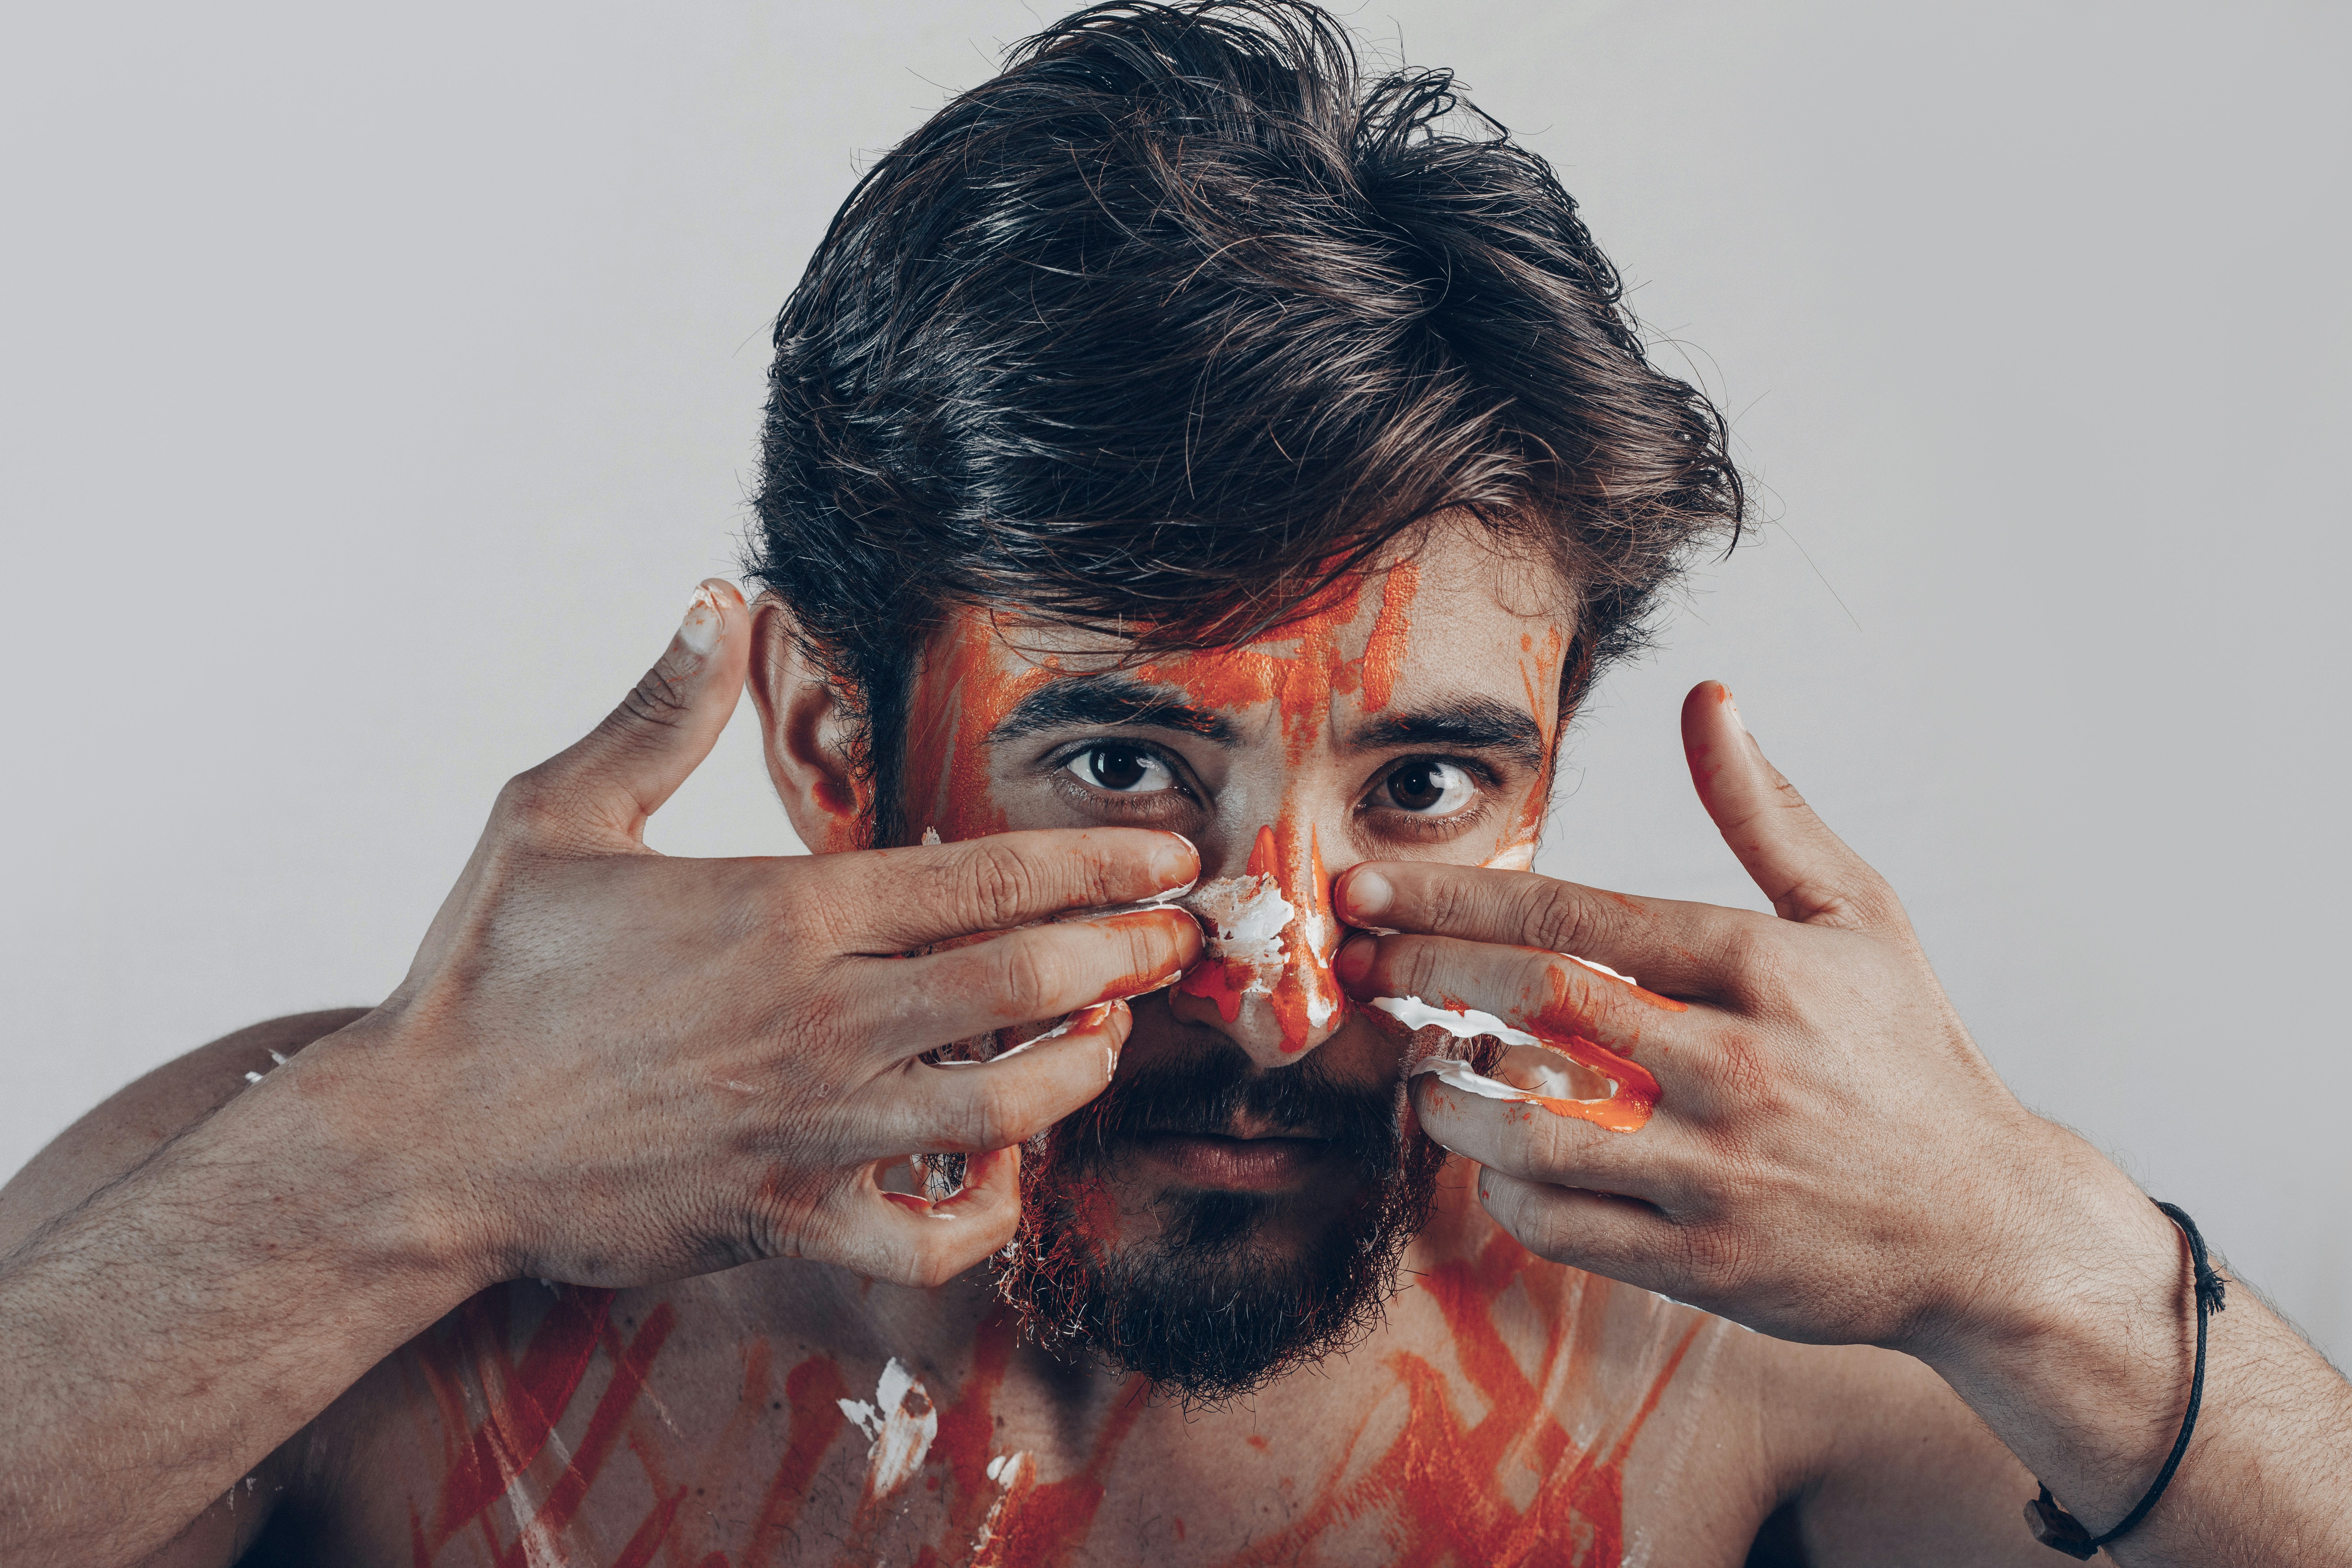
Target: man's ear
{"x": 804, "y": 733}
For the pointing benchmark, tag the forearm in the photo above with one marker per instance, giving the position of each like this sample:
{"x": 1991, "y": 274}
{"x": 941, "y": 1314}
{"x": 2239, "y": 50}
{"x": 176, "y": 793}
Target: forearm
{"x": 169, "y": 1332}
{"x": 2087, "y": 1380}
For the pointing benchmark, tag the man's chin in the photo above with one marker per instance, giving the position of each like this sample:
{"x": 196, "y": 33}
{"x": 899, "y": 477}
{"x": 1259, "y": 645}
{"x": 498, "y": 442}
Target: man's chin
{"x": 1235, "y": 1281}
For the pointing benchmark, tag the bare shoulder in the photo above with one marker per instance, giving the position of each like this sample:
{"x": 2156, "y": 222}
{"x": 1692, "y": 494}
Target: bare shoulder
{"x": 1878, "y": 1460}
{"x": 140, "y": 1119}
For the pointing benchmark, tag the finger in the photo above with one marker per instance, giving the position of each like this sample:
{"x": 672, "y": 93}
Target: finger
{"x": 1531, "y": 1141}
{"x": 911, "y": 898}
{"x": 620, "y": 772}
{"x": 911, "y": 1240}
{"x": 968, "y": 1108}
{"x": 1617, "y": 1237}
{"x": 1548, "y": 995}
{"x": 1806, "y": 870}
{"x": 1669, "y": 946}
{"x": 907, "y": 1006}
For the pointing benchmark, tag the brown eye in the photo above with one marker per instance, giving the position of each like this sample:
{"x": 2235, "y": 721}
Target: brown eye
{"x": 1123, "y": 769}
{"x": 1429, "y": 788}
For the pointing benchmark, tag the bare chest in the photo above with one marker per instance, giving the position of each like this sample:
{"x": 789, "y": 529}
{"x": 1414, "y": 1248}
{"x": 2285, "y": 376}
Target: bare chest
{"x": 1508, "y": 1412}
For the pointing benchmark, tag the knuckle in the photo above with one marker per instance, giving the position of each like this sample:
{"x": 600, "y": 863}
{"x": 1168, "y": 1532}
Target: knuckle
{"x": 1029, "y": 975}
{"x": 659, "y": 697}
{"x": 1717, "y": 1260}
{"x": 996, "y": 885}
{"x": 1409, "y": 965}
{"x": 977, "y": 1121}
{"x": 1448, "y": 902}
{"x": 929, "y": 1268}
{"x": 1755, "y": 958}
{"x": 1557, "y": 917}
{"x": 530, "y": 803}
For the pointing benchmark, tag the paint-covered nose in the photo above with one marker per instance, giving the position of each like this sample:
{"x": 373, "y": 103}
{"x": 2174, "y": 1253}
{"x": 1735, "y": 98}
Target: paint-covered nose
{"x": 1267, "y": 968}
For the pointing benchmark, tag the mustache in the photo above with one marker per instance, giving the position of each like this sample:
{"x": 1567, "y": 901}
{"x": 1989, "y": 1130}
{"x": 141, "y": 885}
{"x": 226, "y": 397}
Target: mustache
{"x": 1211, "y": 1089}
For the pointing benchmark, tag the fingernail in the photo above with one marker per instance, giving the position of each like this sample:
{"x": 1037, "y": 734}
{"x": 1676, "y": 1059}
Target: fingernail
{"x": 1367, "y": 893}
{"x": 1176, "y": 869}
{"x": 699, "y": 630}
{"x": 1732, "y": 705}
{"x": 1354, "y": 960}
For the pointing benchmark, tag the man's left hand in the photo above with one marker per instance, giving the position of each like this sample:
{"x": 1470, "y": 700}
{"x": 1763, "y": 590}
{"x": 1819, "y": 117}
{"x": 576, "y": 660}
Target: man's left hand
{"x": 1830, "y": 1158}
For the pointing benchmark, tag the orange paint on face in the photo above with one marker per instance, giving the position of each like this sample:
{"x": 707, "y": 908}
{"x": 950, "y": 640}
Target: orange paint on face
{"x": 1384, "y": 649}
{"x": 1539, "y": 664}
{"x": 962, "y": 689}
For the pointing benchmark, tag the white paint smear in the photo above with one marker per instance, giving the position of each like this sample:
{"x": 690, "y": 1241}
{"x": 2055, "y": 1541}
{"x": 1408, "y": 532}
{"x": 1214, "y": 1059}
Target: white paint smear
{"x": 1006, "y": 1470}
{"x": 1603, "y": 968}
{"x": 900, "y": 1430}
{"x": 1243, "y": 918}
{"x": 1469, "y": 1023}
{"x": 1462, "y": 1023}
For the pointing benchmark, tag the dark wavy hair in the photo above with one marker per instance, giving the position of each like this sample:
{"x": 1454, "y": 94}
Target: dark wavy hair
{"x": 1180, "y": 317}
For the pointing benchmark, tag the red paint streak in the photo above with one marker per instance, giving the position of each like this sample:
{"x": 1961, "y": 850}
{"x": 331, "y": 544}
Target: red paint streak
{"x": 813, "y": 1391}
{"x": 523, "y": 1413}
{"x": 630, "y": 1366}
{"x": 1436, "y": 1487}
{"x": 648, "y": 1538}
{"x": 1042, "y": 1524}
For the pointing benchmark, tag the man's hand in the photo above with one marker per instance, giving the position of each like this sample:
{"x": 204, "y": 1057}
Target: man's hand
{"x": 606, "y": 1066}
{"x": 1829, "y": 1150}
{"x": 631, "y": 1067}
{"x": 1831, "y": 1158}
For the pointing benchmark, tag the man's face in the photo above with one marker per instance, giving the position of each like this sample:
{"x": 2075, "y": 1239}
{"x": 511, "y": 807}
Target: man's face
{"x": 1236, "y": 1202}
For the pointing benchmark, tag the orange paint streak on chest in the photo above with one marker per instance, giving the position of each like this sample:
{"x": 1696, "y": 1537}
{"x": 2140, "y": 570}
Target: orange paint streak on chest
{"x": 1438, "y": 1489}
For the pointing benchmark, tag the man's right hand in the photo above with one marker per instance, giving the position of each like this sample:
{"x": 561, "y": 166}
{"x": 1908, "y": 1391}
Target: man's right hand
{"x": 612, "y": 1066}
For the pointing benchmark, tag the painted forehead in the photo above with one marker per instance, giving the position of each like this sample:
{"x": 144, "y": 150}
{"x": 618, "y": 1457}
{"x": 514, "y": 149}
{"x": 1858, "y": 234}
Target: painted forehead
{"x": 1449, "y": 634}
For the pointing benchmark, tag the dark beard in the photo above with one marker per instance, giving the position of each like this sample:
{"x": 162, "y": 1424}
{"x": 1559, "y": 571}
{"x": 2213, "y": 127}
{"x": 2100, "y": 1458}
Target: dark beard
{"x": 1210, "y": 1310}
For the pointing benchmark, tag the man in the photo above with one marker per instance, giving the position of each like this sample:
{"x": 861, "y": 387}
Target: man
{"x": 1193, "y": 475}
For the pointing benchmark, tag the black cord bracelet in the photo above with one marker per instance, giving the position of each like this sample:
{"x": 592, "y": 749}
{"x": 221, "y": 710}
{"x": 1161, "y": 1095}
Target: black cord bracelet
{"x": 2054, "y": 1526}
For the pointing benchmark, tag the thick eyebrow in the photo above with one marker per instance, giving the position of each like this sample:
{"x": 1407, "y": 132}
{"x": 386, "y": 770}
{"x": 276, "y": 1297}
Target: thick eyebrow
{"x": 1102, "y": 701}
{"x": 1472, "y": 723}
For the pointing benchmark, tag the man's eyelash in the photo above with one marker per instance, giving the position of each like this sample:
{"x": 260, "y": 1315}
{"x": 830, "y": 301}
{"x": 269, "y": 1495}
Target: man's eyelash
{"x": 1062, "y": 757}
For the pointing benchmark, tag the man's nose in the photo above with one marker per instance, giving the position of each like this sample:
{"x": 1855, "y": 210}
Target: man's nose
{"x": 1267, "y": 977}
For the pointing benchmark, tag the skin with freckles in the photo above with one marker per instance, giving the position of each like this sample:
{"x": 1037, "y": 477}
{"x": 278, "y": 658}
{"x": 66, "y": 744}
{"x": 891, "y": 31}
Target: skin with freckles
{"x": 465, "y": 1281}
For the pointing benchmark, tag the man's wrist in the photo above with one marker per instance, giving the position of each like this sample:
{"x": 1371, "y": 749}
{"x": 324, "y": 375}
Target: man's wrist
{"x": 354, "y": 1114}
{"x": 2071, "y": 1333}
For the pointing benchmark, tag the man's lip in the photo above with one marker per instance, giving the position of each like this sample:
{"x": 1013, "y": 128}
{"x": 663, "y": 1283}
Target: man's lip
{"x": 1236, "y": 1164}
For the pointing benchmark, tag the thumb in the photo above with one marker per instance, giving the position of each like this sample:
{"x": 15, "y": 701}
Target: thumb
{"x": 620, "y": 772}
{"x": 1806, "y": 870}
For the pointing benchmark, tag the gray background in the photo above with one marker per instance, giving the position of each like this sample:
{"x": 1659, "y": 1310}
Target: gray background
{"x": 378, "y": 384}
